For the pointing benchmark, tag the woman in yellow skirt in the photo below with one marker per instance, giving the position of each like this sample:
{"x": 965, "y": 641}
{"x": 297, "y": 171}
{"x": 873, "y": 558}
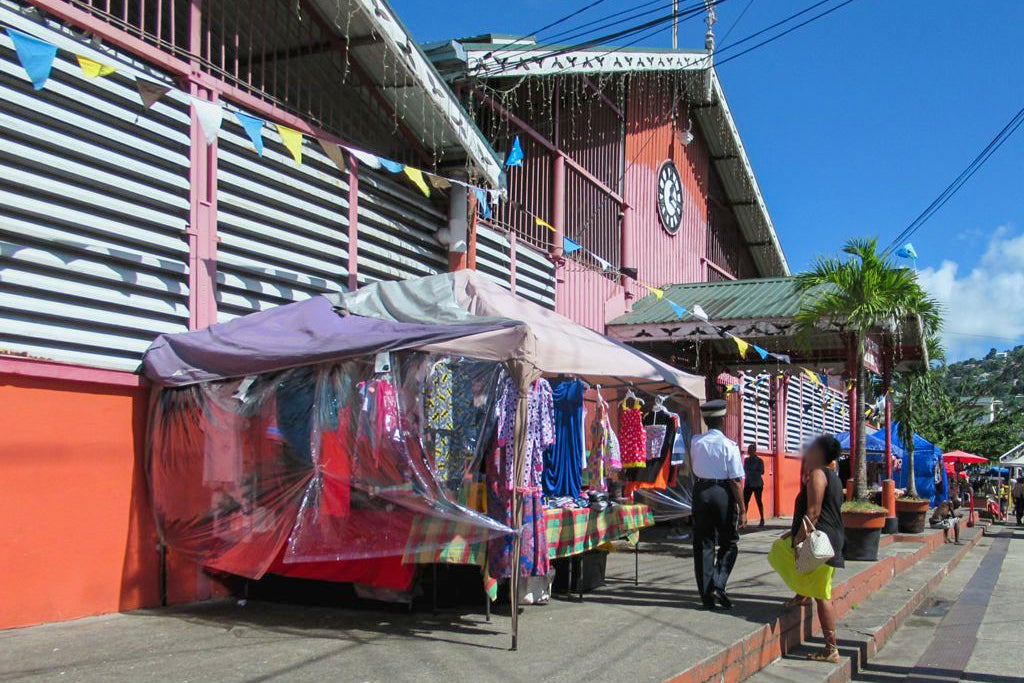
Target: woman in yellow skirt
{"x": 819, "y": 502}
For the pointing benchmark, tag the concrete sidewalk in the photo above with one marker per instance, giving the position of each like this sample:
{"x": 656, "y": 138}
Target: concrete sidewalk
{"x": 651, "y": 632}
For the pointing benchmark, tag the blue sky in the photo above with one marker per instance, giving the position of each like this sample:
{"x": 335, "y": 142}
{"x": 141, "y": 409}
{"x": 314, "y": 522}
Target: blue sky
{"x": 854, "y": 124}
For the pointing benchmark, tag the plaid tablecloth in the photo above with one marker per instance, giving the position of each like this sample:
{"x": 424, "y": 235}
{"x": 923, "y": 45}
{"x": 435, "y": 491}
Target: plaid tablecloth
{"x": 570, "y": 532}
{"x": 573, "y": 532}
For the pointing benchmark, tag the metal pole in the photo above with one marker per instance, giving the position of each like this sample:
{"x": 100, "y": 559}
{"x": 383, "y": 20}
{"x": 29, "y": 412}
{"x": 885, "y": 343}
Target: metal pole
{"x": 675, "y": 24}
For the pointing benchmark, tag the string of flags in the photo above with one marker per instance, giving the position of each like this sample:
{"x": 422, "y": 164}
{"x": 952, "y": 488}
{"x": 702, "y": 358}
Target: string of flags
{"x": 37, "y": 56}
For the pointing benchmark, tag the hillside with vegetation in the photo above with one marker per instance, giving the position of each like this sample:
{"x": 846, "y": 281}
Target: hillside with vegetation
{"x": 953, "y": 414}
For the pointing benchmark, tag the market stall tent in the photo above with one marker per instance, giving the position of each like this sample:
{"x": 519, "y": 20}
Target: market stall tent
{"x": 927, "y": 457}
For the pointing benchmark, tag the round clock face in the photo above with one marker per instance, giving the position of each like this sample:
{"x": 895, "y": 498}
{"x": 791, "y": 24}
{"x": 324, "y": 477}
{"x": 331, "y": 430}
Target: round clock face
{"x": 670, "y": 197}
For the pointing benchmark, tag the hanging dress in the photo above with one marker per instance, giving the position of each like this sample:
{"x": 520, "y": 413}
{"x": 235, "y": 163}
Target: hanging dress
{"x": 604, "y": 457}
{"x": 632, "y": 435}
{"x": 563, "y": 460}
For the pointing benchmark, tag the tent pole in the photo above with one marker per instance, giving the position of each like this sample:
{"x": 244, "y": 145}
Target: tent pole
{"x": 518, "y": 468}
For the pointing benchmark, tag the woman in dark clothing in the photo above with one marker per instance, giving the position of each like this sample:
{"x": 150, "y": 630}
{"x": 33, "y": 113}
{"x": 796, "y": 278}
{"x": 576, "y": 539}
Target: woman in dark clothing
{"x": 753, "y": 483}
{"x": 820, "y": 502}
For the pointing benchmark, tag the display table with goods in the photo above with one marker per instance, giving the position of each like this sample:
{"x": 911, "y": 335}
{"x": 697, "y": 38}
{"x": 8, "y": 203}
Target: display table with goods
{"x": 349, "y": 442}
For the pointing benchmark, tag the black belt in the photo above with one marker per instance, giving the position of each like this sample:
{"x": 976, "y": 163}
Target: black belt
{"x": 723, "y": 482}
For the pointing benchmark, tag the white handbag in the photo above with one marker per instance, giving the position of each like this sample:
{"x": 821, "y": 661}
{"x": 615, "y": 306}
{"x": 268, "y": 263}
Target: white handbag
{"x": 814, "y": 550}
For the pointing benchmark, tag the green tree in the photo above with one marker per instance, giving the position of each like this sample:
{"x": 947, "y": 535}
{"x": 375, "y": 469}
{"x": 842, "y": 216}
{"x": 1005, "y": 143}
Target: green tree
{"x": 914, "y": 392}
{"x": 861, "y": 294}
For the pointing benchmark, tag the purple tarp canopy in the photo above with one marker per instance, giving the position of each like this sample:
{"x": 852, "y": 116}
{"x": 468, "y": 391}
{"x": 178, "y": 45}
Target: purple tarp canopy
{"x": 287, "y": 336}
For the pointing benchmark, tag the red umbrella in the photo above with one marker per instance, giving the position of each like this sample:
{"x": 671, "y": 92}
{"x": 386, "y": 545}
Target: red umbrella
{"x": 965, "y": 458}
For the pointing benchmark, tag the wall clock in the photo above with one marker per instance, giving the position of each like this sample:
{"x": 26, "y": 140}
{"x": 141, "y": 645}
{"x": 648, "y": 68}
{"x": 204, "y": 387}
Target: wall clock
{"x": 670, "y": 197}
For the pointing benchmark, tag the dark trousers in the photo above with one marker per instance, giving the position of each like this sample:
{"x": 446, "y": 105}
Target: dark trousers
{"x": 715, "y": 521}
{"x": 756, "y": 491}
{"x": 1018, "y": 509}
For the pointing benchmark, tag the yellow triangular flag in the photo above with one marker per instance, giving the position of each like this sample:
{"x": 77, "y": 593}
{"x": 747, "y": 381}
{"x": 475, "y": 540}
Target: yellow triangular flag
{"x": 659, "y": 293}
{"x": 292, "y": 140}
{"x": 742, "y": 346}
{"x": 813, "y": 375}
{"x": 91, "y": 68}
{"x": 541, "y": 223}
{"x": 416, "y": 176}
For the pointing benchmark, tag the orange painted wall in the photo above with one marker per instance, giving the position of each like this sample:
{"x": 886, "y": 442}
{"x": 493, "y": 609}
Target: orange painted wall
{"x": 75, "y": 524}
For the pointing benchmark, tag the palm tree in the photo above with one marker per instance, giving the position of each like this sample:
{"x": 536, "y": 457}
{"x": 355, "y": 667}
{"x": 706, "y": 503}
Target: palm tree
{"x": 915, "y": 391}
{"x": 861, "y": 294}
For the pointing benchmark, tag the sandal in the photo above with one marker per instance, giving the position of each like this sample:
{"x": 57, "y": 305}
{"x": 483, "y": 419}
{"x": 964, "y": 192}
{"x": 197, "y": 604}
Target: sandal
{"x": 797, "y": 601}
{"x": 829, "y": 653}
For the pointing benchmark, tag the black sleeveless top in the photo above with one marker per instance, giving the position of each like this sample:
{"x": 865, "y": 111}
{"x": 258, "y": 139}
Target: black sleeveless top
{"x": 831, "y": 520}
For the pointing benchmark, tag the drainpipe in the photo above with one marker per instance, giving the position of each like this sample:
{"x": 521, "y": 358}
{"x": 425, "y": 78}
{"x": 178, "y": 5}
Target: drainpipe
{"x": 626, "y": 249}
{"x": 458, "y": 228}
{"x": 353, "y": 223}
{"x": 558, "y": 210}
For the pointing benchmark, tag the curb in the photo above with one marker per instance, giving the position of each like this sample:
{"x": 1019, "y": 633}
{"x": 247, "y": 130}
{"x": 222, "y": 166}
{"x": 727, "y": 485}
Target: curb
{"x": 792, "y": 629}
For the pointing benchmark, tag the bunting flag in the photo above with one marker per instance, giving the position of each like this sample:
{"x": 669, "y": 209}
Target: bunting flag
{"x": 570, "y": 245}
{"x": 292, "y": 140}
{"x": 36, "y": 56}
{"x": 515, "y": 155}
{"x": 253, "y": 127}
{"x": 907, "y": 251}
{"x": 601, "y": 262}
{"x": 483, "y": 201}
{"x": 677, "y": 309}
{"x": 438, "y": 182}
{"x": 761, "y": 352}
{"x": 742, "y": 345}
{"x": 813, "y": 376}
{"x": 781, "y": 357}
{"x": 371, "y": 160}
{"x": 541, "y": 223}
{"x": 391, "y": 166}
{"x": 93, "y": 69}
{"x": 333, "y": 152}
{"x": 658, "y": 293}
{"x": 416, "y": 176}
{"x": 210, "y": 116}
{"x": 150, "y": 93}
{"x": 698, "y": 312}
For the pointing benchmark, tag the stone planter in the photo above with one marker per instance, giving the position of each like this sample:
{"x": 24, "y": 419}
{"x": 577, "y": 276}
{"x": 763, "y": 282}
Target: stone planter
{"x": 911, "y": 515}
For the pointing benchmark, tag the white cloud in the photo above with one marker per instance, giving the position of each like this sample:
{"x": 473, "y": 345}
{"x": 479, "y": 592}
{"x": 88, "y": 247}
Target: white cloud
{"x": 984, "y": 308}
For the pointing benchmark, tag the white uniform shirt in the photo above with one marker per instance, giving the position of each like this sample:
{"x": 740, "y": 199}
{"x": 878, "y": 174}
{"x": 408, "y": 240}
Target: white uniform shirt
{"x": 713, "y": 455}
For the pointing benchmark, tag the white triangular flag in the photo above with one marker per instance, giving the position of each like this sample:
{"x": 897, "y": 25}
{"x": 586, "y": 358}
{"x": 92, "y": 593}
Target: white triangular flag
{"x": 210, "y": 116}
{"x": 370, "y": 160}
{"x": 698, "y": 312}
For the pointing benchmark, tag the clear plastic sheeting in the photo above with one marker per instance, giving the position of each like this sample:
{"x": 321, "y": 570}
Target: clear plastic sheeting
{"x": 325, "y": 463}
{"x": 669, "y": 503}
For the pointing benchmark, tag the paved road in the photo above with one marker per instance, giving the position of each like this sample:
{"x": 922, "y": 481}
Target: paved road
{"x": 971, "y": 629}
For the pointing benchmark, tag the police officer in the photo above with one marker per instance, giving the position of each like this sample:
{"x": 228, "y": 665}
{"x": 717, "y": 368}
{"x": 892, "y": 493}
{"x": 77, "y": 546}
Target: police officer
{"x": 718, "y": 509}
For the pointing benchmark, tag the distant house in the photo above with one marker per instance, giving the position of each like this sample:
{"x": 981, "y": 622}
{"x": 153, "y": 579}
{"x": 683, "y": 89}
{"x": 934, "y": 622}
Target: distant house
{"x": 990, "y": 409}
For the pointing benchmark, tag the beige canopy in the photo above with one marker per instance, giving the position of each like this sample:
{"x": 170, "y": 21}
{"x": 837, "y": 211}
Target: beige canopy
{"x": 558, "y": 345}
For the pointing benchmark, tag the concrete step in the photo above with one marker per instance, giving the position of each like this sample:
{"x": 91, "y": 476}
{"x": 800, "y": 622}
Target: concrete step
{"x": 867, "y": 624}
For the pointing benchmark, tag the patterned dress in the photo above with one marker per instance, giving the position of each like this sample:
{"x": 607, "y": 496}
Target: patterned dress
{"x": 604, "y": 454}
{"x": 632, "y": 435}
{"x": 540, "y": 433}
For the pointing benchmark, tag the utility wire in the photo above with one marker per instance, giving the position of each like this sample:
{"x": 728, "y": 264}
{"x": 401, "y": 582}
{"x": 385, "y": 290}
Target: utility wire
{"x": 994, "y": 144}
{"x": 554, "y": 23}
{"x": 775, "y": 37}
{"x": 736, "y": 23}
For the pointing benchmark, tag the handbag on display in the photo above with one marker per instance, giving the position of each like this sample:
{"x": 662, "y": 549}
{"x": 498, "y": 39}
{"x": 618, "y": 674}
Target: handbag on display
{"x": 814, "y": 550}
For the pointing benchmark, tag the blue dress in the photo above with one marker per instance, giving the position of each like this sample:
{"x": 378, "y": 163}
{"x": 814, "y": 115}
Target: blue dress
{"x": 563, "y": 461}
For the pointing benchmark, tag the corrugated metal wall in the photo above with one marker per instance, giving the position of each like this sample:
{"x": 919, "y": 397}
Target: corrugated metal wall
{"x": 588, "y": 297}
{"x": 757, "y": 411}
{"x": 726, "y": 246}
{"x": 93, "y": 210}
{"x": 534, "y": 272}
{"x": 283, "y": 227}
{"x": 806, "y": 414}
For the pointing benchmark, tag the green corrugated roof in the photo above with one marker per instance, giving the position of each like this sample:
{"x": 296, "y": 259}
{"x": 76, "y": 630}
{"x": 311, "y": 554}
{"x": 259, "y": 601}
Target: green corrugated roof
{"x": 729, "y": 300}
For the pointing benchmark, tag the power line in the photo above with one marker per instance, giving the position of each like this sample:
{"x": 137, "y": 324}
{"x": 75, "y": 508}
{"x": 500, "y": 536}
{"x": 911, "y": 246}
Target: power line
{"x": 554, "y": 23}
{"x": 780, "y": 35}
{"x": 994, "y": 144}
{"x": 736, "y": 23}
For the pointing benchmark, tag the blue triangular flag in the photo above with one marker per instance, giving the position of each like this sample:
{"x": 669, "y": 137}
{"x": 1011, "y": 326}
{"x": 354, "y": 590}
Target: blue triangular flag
{"x": 36, "y": 56}
{"x": 907, "y": 251}
{"x": 570, "y": 245}
{"x": 761, "y": 352}
{"x": 677, "y": 309}
{"x": 253, "y": 128}
{"x": 483, "y": 201}
{"x": 515, "y": 155}
{"x": 392, "y": 166}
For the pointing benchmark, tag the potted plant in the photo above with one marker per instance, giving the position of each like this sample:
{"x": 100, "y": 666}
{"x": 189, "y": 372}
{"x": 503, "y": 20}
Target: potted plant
{"x": 862, "y": 294}
{"x": 910, "y": 513}
{"x": 863, "y": 522}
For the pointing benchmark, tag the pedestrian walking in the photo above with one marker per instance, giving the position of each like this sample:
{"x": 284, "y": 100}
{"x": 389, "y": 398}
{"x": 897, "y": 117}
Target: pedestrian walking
{"x": 718, "y": 508}
{"x": 819, "y": 506}
{"x": 753, "y": 483}
{"x": 1018, "y": 500}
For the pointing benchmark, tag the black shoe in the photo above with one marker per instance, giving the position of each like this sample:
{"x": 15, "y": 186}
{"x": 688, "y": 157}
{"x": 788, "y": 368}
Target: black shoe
{"x": 723, "y": 599}
{"x": 708, "y": 607}
{"x": 761, "y": 525}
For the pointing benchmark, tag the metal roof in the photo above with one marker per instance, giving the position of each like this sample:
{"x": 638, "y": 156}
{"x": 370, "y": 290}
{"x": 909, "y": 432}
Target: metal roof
{"x": 775, "y": 297}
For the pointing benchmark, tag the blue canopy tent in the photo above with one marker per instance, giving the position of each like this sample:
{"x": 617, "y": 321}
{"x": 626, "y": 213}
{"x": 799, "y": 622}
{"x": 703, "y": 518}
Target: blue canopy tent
{"x": 875, "y": 446}
{"x": 926, "y": 456}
